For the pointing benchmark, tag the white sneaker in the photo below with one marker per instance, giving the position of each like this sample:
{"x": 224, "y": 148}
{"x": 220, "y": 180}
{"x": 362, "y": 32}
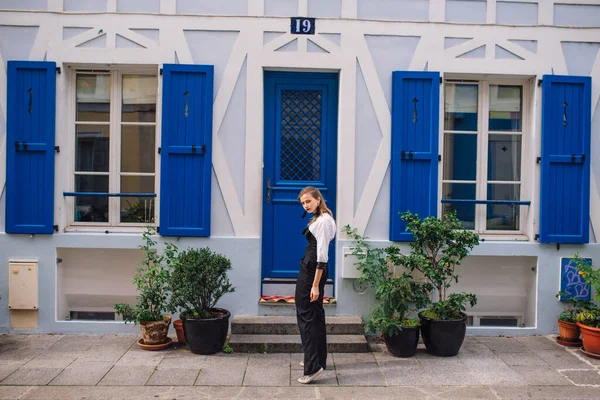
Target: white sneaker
{"x": 302, "y": 363}
{"x": 309, "y": 378}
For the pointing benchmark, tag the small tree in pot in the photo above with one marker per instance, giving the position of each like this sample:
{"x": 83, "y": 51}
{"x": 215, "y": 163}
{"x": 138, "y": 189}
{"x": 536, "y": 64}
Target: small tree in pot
{"x": 198, "y": 280}
{"x": 151, "y": 282}
{"x": 398, "y": 296}
{"x": 439, "y": 246}
{"x": 589, "y": 319}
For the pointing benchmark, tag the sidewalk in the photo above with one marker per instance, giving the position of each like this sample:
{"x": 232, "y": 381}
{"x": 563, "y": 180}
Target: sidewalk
{"x": 114, "y": 367}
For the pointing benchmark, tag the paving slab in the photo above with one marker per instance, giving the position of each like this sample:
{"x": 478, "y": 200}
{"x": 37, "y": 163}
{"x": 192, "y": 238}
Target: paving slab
{"x": 138, "y": 357}
{"x": 182, "y": 358}
{"x": 402, "y": 374}
{"x": 205, "y": 392}
{"x": 6, "y": 370}
{"x": 525, "y": 358}
{"x": 40, "y": 341}
{"x": 173, "y": 377}
{"x": 268, "y": 370}
{"x": 18, "y": 355}
{"x": 584, "y": 358}
{"x": 539, "y": 342}
{"x": 497, "y": 375}
{"x": 583, "y": 377}
{"x": 74, "y": 343}
{"x": 109, "y": 348}
{"x": 463, "y": 392}
{"x": 83, "y": 373}
{"x": 357, "y": 369}
{"x": 561, "y": 359}
{"x": 348, "y": 393}
{"x": 228, "y": 370}
{"x": 97, "y": 393}
{"x": 31, "y": 376}
{"x": 547, "y": 392}
{"x": 503, "y": 344}
{"x": 538, "y": 375}
{"x": 51, "y": 360}
{"x": 296, "y": 358}
{"x": 14, "y": 392}
{"x": 127, "y": 376}
{"x": 440, "y": 375}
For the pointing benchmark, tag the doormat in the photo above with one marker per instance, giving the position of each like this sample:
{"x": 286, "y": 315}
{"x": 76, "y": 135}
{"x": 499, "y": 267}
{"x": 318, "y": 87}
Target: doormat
{"x": 290, "y": 300}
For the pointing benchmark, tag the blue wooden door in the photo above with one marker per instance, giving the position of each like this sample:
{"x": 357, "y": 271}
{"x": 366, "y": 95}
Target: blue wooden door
{"x": 300, "y": 150}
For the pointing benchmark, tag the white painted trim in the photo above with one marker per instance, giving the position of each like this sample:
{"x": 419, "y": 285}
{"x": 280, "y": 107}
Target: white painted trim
{"x": 490, "y": 12}
{"x": 437, "y": 10}
{"x": 256, "y": 8}
{"x": 279, "y": 42}
{"x": 55, "y": 5}
{"x": 168, "y": 6}
{"x": 302, "y": 8}
{"x": 350, "y": 9}
{"x": 545, "y": 12}
{"x": 111, "y": 6}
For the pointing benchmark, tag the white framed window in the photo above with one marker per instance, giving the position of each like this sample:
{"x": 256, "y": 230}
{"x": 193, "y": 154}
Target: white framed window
{"x": 485, "y": 122}
{"x": 115, "y": 142}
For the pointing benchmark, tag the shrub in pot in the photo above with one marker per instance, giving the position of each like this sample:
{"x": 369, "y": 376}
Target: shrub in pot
{"x": 198, "y": 280}
{"x": 438, "y": 247}
{"x": 151, "y": 282}
{"x": 398, "y": 297}
{"x": 568, "y": 330}
{"x": 589, "y": 319}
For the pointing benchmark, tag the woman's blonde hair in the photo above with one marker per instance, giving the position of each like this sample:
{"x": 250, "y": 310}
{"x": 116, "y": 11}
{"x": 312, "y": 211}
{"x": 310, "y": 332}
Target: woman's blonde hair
{"x": 321, "y": 208}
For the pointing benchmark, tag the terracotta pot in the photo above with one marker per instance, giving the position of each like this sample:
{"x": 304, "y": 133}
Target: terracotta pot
{"x": 178, "y": 325}
{"x": 155, "y": 332}
{"x": 591, "y": 338}
{"x": 568, "y": 331}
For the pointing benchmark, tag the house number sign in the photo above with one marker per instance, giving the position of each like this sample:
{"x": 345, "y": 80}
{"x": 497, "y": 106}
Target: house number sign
{"x": 302, "y": 26}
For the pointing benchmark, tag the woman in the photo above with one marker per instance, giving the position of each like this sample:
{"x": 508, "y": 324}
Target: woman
{"x": 311, "y": 283}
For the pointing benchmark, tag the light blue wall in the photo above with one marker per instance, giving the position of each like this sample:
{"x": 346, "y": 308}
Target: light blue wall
{"x": 394, "y": 10}
{"x": 233, "y": 134}
{"x": 16, "y": 42}
{"x": 580, "y": 57}
{"x": 213, "y": 48}
{"x": 466, "y": 11}
{"x": 325, "y": 8}
{"x": 212, "y": 7}
{"x": 286, "y": 8}
{"x": 243, "y": 253}
{"x": 577, "y": 15}
{"x": 530, "y": 45}
{"x": 33, "y": 5}
{"x": 88, "y": 5}
{"x": 512, "y": 13}
{"x": 151, "y": 34}
{"x": 138, "y": 6}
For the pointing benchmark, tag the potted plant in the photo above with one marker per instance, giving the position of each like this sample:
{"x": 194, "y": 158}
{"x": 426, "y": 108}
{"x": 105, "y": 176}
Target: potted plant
{"x": 151, "y": 282}
{"x": 568, "y": 330}
{"x": 588, "y": 320}
{"x": 198, "y": 280}
{"x": 438, "y": 247}
{"x": 398, "y": 296}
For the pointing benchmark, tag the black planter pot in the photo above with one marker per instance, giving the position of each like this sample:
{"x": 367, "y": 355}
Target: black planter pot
{"x": 206, "y": 336}
{"x": 443, "y": 338}
{"x": 403, "y": 343}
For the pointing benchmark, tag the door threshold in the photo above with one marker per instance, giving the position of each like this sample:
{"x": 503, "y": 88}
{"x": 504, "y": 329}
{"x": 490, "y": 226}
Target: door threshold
{"x": 288, "y": 281}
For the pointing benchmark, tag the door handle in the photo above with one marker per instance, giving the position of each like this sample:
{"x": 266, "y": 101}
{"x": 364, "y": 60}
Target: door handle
{"x": 268, "y": 190}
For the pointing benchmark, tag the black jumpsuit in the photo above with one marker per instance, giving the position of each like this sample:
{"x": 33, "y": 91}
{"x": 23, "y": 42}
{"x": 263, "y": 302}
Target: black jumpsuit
{"x": 311, "y": 315}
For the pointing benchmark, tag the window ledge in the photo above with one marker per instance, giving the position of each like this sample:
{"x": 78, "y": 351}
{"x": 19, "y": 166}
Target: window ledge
{"x": 104, "y": 229}
{"x": 503, "y": 238}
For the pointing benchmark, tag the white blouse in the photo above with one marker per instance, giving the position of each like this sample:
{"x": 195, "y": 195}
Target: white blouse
{"x": 323, "y": 229}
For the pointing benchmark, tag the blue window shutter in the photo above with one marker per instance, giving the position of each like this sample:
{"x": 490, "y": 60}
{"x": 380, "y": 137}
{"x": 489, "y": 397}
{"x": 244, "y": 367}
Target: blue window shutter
{"x": 565, "y": 164}
{"x": 31, "y": 103}
{"x": 186, "y": 161}
{"x": 414, "y": 162}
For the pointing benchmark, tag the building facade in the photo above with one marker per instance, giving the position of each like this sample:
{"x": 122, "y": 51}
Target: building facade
{"x": 207, "y": 117}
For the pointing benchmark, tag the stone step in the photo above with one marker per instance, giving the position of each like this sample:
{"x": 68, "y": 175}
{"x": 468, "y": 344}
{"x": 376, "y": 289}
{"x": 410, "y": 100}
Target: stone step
{"x": 287, "y": 325}
{"x": 292, "y": 344}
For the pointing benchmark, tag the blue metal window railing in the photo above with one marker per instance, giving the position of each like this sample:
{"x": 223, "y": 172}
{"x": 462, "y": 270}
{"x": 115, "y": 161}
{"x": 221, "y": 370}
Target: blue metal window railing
{"x": 102, "y": 194}
{"x": 468, "y": 201}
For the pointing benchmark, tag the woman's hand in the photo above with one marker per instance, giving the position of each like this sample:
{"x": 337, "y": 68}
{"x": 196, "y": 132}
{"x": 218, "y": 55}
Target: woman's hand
{"x": 314, "y": 293}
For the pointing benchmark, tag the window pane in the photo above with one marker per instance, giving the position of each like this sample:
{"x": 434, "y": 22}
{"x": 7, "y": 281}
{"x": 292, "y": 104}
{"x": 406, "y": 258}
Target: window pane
{"x": 137, "y": 148}
{"x": 504, "y": 157}
{"x": 503, "y": 216}
{"x": 93, "y": 98}
{"x": 137, "y": 209}
{"x": 89, "y": 208}
{"x": 460, "y": 156}
{"x": 505, "y": 108}
{"x": 139, "y": 98}
{"x": 92, "y": 149}
{"x": 464, "y": 212}
{"x": 460, "y": 107}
